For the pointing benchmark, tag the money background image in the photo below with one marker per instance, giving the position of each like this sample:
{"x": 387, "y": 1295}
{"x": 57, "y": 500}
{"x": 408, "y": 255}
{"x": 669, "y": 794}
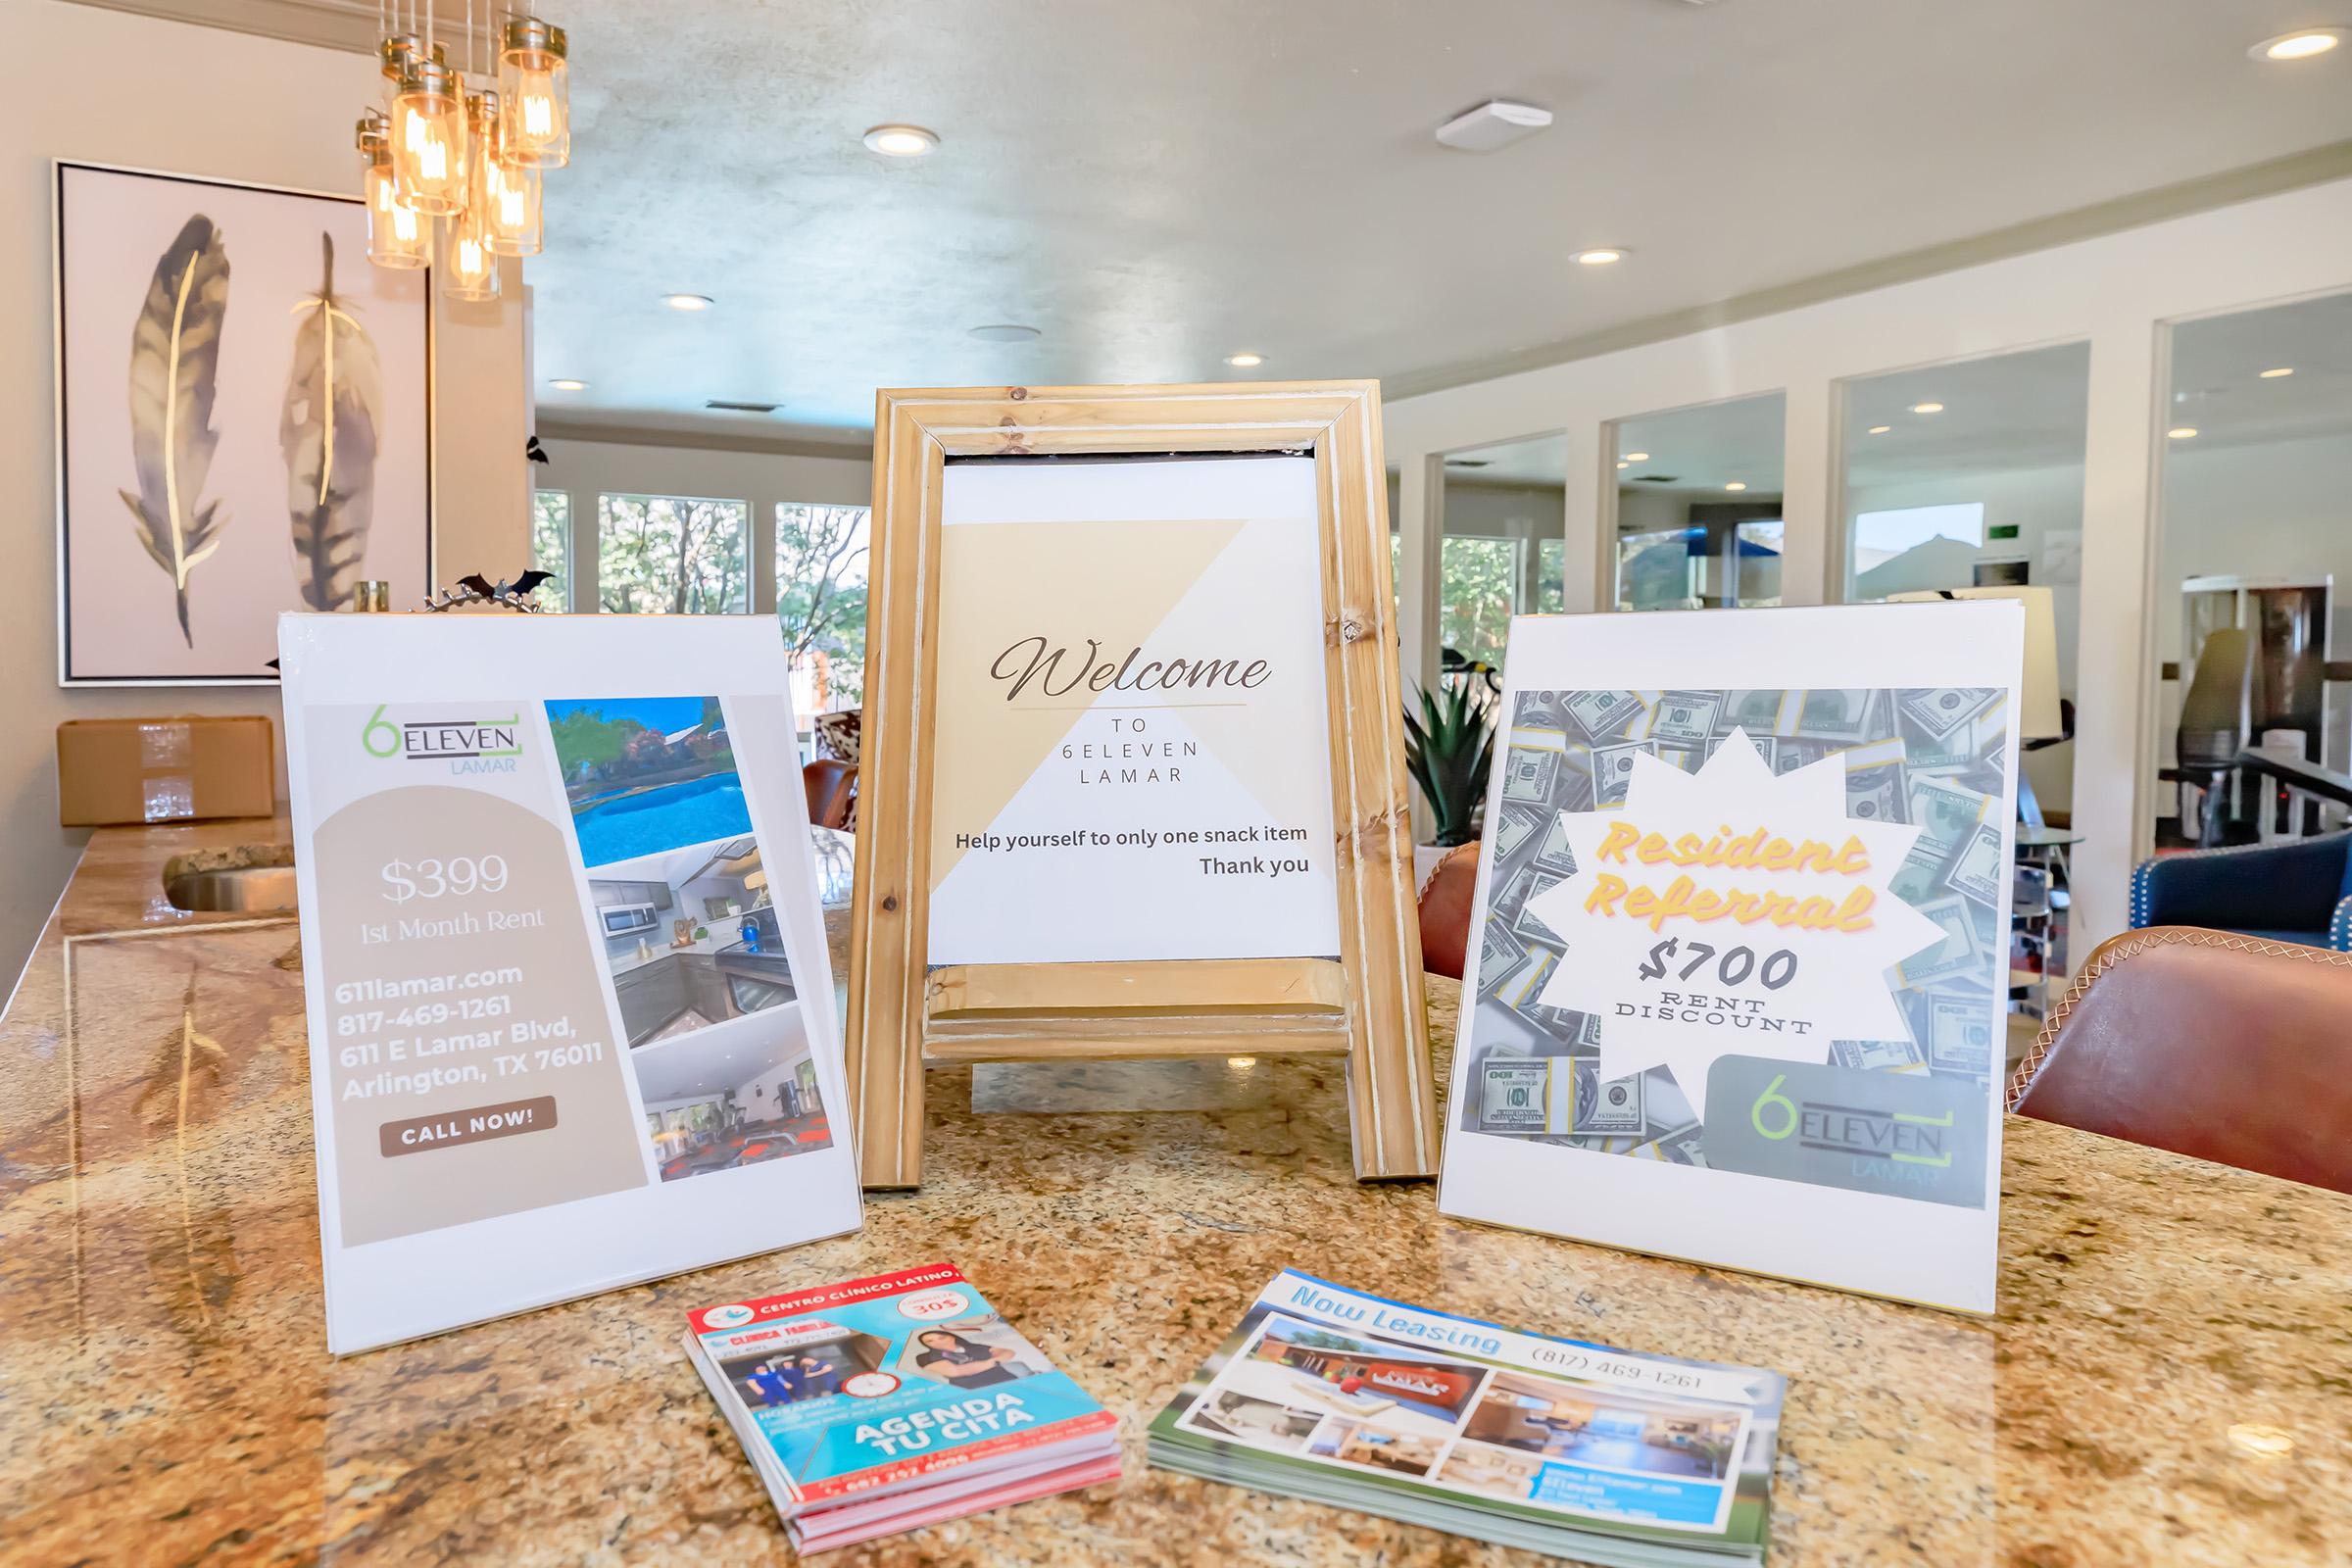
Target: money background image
{"x": 1931, "y": 756}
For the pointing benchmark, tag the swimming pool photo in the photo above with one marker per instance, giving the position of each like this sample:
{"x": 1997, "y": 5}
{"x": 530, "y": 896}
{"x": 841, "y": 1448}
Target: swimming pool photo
{"x": 647, "y": 774}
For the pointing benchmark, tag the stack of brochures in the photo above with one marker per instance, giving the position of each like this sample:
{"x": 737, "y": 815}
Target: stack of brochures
{"x": 1547, "y": 1445}
{"x": 882, "y": 1404}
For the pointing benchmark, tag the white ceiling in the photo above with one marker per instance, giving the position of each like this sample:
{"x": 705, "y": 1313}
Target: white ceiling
{"x": 1156, "y": 186}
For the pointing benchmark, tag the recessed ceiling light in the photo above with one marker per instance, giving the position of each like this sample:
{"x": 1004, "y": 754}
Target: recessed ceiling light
{"x": 1927, "y": 407}
{"x": 2280, "y": 370}
{"x": 567, "y": 384}
{"x": 1623, "y": 463}
{"x": 1243, "y": 361}
{"x": 687, "y": 302}
{"x": 1004, "y": 332}
{"x": 1601, "y": 255}
{"x": 2300, "y": 45}
{"x": 1737, "y": 485}
{"x": 1881, "y": 429}
{"x": 2181, "y": 432}
{"x": 901, "y": 141}
{"x": 1637, "y": 457}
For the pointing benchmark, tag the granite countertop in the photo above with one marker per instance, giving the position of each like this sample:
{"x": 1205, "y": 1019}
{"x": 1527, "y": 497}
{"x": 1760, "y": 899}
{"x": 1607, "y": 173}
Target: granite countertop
{"x": 165, "y": 1395}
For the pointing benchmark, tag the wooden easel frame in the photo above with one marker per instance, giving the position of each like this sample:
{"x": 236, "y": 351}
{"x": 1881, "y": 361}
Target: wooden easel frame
{"x": 1368, "y": 1005}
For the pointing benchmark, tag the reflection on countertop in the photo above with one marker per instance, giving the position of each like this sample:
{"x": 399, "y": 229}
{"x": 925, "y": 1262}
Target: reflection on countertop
{"x": 2164, "y": 1382}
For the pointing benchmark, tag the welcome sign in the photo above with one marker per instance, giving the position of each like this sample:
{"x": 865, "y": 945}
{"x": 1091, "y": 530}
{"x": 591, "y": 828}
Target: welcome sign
{"x": 571, "y": 1015}
{"x": 1133, "y": 780}
{"x": 1124, "y": 680}
{"x": 1741, "y": 953}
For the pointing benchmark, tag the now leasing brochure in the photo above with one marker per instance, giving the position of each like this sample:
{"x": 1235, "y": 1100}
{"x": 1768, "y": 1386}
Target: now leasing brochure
{"x": 1542, "y": 1443}
{"x": 1741, "y": 960}
{"x": 880, "y": 1404}
{"x": 571, "y": 1019}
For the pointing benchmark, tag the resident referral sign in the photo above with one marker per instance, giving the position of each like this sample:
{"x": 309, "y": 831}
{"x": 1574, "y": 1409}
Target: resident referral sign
{"x": 1759, "y": 850}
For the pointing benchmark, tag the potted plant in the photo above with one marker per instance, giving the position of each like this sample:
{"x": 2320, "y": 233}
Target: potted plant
{"x": 1449, "y": 750}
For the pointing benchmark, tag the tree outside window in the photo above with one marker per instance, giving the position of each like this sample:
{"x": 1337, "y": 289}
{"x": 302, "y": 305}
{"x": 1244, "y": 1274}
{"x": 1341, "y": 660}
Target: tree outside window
{"x": 821, "y": 593}
{"x": 673, "y": 556}
{"x": 551, "y": 545}
{"x": 1478, "y": 588}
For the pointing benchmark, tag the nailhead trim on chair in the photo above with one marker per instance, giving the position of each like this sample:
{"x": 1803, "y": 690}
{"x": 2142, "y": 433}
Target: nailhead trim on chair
{"x": 2112, "y": 956}
{"x": 2143, "y": 892}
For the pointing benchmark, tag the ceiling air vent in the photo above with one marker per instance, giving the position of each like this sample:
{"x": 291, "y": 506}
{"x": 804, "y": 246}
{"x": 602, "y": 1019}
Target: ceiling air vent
{"x": 729, "y": 405}
{"x": 1467, "y": 463}
{"x": 1655, "y": 479}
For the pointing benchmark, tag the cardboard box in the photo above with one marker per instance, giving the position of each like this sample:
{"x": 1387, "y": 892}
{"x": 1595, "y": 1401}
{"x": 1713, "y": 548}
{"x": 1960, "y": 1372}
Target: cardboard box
{"x": 112, "y": 771}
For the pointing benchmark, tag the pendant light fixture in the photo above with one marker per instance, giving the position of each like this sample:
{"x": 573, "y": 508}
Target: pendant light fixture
{"x": 398, "y": 236}
{"x": 534, "y": 78}
{"x": 471, "y": 265}
{"x": 447, "y": 145}
{"x": 510, "y": 192}
{"x": 428, "y": 137}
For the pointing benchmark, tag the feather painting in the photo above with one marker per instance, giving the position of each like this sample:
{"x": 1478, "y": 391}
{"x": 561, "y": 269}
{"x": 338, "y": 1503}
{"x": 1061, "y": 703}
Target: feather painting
{"x": 175, "y": 364}
{"x": 329, "y": 432}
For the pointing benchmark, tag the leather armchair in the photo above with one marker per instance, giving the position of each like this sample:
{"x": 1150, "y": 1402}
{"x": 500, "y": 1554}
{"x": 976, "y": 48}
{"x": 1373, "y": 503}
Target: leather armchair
{"x": 1445, "y": 909}
{"x": 2296, "y": 892}
{"x": 2226, "y": 1048}
{"x": 832, "y": 790}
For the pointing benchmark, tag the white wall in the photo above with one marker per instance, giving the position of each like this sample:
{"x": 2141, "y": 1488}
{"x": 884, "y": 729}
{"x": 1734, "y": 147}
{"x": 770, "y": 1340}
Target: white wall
{"x": 2112, "y": 292}
{"x": 585, "y": 469}
{"x": 80, "y": 82}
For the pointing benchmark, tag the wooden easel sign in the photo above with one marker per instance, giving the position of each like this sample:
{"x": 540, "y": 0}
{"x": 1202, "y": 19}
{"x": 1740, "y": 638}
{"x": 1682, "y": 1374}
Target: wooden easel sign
{"x": 1133, "y": 781}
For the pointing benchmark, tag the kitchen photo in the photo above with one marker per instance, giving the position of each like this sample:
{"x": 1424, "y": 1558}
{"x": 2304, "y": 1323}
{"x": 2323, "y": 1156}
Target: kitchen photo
{"x": 689, "y": 932}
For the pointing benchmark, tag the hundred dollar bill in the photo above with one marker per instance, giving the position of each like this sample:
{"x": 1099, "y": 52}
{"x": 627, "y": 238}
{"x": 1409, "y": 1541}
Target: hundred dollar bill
{"x": 1613, "y": 770}
{"x": 1919, "y": 878}
{"x": 1542, "y": 709}
{"x": 1957, "y": 953}
{"x": 1960, "y": 1033}
{"x": 1875, "y": 1056}
{"x": 1940, "y": 710}
{"x": 1499, "y": 953}
{"x": 1835, "y": 714}
{"x": 1553, "y": 852}
{"x": 1528, "y": 775}
{"x": 1685, "y": 719}
{"x": 1514, "y": 824}
{"x": 1790, "y": 755}
{"x": 1876, "y": 794}
{"x": 1524, "y": 922}
{"x": 1519, "y": 988}
{"x": 1587, "y": 1032}
{"x": 1612, "y": 1109}
{"x": 1764, "y": 713}
{"x": 1599, "y": 713}
{"x": 1977, "y": 870}
{"x": 1681, "y": 1146}
{"x": 1515, "y": 1096}
{"x": 1946, "y": 812}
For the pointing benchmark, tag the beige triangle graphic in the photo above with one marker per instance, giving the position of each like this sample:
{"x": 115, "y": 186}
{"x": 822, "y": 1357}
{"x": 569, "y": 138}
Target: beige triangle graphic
{"x": 1035, "y": 605}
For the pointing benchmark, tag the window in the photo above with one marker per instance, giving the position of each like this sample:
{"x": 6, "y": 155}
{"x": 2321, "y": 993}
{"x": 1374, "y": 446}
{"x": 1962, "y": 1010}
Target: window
{"x": 1905, "y": 549}
{"x": 821, "y": 601}
{"x": 551, "y": 545}
{"x": 1478, "y": 590}
{"x": 1552, "y": 577}
{"x": 673, "y": 556}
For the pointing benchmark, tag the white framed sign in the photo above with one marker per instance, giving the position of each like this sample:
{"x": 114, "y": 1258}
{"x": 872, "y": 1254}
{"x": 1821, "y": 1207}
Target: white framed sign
{"x": 573, "y": 1021}
{"x": 1740, "y": 962}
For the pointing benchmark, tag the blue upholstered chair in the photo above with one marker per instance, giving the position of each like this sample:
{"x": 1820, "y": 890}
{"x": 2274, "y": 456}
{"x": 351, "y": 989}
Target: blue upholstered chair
{"x": 2295, "y": 892}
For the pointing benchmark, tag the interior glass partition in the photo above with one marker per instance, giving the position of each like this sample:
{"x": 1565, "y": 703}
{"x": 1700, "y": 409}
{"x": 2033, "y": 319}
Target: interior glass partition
{"x": 1969, "y": 474}
{"x": 1698, "y": 506}
{"x": 2255, "y": 504}
{"x": 1504, "y": 552}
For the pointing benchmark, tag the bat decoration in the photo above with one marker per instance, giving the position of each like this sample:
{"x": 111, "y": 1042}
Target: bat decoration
{"x": 174, "y": 366}
{"x": 329, "y": 434}
{"x": 475, "y": 589}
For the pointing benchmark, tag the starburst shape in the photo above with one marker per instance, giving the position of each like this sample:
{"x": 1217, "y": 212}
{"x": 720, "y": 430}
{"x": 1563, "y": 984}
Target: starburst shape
{"x": 1731, "y": 912}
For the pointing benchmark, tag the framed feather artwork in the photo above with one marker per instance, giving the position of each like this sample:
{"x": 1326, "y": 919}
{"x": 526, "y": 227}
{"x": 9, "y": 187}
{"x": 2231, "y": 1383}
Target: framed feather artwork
{"x": 244, "y": 422}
